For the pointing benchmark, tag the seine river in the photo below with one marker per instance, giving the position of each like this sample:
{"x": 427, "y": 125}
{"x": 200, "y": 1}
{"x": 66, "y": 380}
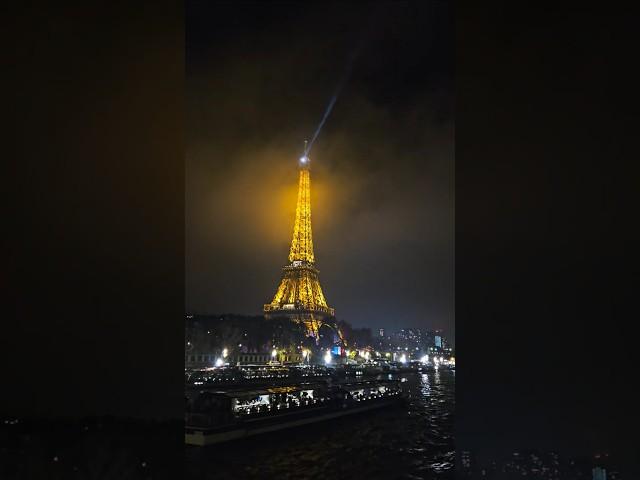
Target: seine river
{"x": 414, "y": 442}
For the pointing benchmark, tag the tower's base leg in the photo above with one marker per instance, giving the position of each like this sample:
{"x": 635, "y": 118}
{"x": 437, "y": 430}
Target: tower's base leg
{"x": 313, "y": 328}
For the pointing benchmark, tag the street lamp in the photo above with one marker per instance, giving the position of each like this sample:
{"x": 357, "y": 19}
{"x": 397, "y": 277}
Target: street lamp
{"x": 327, "y": 357}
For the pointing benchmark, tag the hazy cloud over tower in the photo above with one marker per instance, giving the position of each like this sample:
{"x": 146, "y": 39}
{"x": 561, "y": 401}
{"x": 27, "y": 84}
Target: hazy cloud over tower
{"x": 382, "y": 175}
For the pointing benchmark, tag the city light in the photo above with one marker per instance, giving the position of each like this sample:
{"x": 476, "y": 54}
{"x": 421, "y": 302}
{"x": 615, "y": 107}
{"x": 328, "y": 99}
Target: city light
{"x": 403, "y": 358}
{"x": 219, "y": 362}
{"x": 327, "y": 357}
{"x": 425, "y": 359}
{"x": 274, "y": 353}
{"x": 225, "y": 352}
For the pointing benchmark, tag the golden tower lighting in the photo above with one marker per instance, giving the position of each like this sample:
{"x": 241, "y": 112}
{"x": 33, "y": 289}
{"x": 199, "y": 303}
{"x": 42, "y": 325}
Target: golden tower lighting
{"x": 299, "y": 296}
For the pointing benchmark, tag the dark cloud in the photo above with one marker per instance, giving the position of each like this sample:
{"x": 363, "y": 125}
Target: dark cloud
{"x": 382, "y": 174}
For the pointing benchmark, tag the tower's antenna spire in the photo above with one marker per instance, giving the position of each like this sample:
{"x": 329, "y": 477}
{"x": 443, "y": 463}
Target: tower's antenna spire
{"x": 304, "y": 159}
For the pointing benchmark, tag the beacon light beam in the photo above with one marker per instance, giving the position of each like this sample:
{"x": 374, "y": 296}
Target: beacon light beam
{"x": 324, "y": 118}
{"x": 341, "y": 84}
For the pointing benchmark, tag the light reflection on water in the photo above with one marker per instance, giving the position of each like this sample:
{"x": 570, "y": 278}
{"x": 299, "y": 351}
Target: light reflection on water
{"x": 410, "y": 442}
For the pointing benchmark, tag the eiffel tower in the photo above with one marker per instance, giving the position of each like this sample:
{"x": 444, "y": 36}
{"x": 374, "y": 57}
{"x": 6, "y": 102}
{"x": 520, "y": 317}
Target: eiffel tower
{"x": 299, "y": 296}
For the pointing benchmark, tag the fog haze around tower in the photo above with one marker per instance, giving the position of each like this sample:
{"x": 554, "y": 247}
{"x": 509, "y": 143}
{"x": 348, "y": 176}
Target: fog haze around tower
{"x": 382, "y": 167}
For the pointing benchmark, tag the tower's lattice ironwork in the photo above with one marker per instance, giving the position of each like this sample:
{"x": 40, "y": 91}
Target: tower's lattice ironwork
{"x": 299, "y": 295}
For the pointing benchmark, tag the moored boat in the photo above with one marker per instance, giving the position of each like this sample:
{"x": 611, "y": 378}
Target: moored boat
{"x": 220, "y": 416}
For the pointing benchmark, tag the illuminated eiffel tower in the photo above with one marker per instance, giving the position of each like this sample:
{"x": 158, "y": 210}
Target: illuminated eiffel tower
{"x": 299, "y": 296}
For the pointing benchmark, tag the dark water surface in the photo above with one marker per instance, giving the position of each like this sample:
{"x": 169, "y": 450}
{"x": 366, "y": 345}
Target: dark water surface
{"x": 409, "y": 442}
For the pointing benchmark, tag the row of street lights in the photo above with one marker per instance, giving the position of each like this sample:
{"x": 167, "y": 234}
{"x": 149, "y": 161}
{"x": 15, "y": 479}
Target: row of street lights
{"x": 306, "y": 355}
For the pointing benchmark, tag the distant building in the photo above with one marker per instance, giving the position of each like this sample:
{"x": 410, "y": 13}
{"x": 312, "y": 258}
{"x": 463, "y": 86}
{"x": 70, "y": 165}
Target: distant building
{"x": 199, "y": 360}
{"x": 250, "y": 358}
{"x": 599, "y": 473}
{"x": 206, "y": 360}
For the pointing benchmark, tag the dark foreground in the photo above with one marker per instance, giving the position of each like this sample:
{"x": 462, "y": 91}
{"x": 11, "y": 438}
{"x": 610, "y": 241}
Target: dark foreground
{"x": 414, "y": 442}
{"x": 99, "y": 448}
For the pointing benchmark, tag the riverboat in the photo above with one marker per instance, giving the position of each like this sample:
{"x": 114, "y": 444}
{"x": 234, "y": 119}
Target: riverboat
{"x": 220, "y": 416}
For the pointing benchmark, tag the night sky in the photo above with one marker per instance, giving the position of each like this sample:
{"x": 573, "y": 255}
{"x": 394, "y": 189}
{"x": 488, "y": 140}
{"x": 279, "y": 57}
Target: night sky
{"x": 258, "y": 81}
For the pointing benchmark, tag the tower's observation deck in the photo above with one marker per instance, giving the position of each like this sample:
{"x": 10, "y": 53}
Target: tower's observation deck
{"x": 299, "y": 295}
